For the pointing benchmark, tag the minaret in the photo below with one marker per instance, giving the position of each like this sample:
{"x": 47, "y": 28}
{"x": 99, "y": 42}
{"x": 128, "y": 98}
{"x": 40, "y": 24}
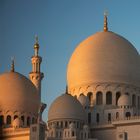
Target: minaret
{"x": 105, "y": 22}
{"x": 36, "y": 76}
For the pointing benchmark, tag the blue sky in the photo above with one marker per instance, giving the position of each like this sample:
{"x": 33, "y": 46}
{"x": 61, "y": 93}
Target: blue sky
{"x": 60, "y": 25}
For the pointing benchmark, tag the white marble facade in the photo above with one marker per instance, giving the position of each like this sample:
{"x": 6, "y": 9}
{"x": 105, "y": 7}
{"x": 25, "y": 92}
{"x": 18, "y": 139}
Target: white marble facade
{"x": 101, "y": 102}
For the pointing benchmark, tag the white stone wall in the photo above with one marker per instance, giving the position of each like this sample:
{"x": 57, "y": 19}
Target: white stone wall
{"x": 132, "y": 131}
{"x": 18, "y": 134}
{"x": 104, "y": 133}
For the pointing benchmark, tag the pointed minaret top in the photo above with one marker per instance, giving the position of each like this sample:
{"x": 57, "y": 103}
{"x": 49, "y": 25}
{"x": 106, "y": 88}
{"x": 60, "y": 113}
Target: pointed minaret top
{"x": 66, "y": 92}
{"x": 36, "y": 46}
{"x": 105, "y": 22}
{"x": 12, "y": 65}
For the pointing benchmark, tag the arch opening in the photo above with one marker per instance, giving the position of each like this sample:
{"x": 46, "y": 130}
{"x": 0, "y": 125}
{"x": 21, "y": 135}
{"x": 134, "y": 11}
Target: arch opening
{"x": 99, "y": 98}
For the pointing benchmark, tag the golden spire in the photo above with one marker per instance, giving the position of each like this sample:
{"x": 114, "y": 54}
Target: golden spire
{"x": 12, "y": 65}
{"x": 36, "y": 46}
{"x": 105, "y": 21}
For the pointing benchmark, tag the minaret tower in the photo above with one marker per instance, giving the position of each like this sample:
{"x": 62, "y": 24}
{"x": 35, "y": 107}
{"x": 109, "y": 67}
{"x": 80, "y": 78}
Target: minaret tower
{"x": 36, "y": 76}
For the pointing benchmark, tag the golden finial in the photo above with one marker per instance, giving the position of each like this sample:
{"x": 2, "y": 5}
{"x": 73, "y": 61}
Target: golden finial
{"x": 36, "y": 45}
{"x": 105, "y": 21}
{"x": 13, "y": 64}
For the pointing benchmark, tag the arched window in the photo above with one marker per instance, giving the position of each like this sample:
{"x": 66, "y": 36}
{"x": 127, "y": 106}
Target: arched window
{"x": 118, "y": 94}
{"x": 109, "y": 98}
{"x": 15, "y": 117}
{"x": 99, "y": 98}
{"x": 97, "y": 117}
{"x": 81, "y": 135}
{"x": 22, "y": 118}
{"x": 8, "y": 120}
{"x": 75, "y": 96}
{"x": 61, "y": 124}
{"x": 89, "y": 118}
{"x": 66, "y": 124}
{"x": 1, "y": 120}
{"x": 60, "y": 134}
{"x": 128, "y": 114}
{"x": 28, "y": 121}
{"x": 117, "y": 115}
{"x": 57, "y": 134}
{"x": 72, "y": 133}
{"x": 90, "y": 97}
{"x": 85, "y": 135}
{"x": 77, "y": 124}
{"x": 134, "y": 100}
{"x": 52, "y": 134}
{"x": 57, "y": 124}
{"x": 33, "y": 120}
{"x": 126, "y": 93}
{"x": 109, "y": 117}
{"x": 81, "y": 94}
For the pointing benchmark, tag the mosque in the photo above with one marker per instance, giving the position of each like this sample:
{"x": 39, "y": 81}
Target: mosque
{"x": 101, "y": 101}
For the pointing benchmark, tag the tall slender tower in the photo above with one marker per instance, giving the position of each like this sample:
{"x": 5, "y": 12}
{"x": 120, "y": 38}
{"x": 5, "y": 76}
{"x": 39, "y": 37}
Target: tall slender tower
{"x": 36, "y": 76}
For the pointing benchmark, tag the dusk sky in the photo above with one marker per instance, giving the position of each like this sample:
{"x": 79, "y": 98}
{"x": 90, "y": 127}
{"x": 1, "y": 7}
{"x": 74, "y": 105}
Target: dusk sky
{"x": 60, "y": 25}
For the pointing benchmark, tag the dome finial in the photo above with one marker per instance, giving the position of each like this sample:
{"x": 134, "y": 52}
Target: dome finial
{"x": 105, "y": 21}
{"x": 66, "y": 92}
{"x": 13, "y": 64}
{"x": 36, "y": 45}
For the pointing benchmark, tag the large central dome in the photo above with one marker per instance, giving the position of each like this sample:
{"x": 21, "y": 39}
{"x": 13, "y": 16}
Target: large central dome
{"x": 104, "y": 57}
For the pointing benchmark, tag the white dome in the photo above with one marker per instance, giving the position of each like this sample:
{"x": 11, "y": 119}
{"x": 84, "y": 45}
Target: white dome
{"x": 103, "y": 57}
{"x": 66, "y": 107}
{"x": 83, "y": 100}
{"x": 124, "y": 100}
{"x": 17, "y": 93}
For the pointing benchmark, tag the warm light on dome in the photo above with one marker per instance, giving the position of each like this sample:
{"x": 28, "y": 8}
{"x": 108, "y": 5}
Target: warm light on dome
{"x": 101, "y": 58}
{"x": 17, "y": 93}
{"x": 66, "y": 107}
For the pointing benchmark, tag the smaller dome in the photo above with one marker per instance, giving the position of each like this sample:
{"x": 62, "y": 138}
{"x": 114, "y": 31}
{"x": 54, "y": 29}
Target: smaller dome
{"x": 66, "y": 107}
{"x": 124, "y": 100}
{"x": 72, "y": 125}
{"x": 83, "y": 100}
{"x": 17, "y": 123}
{"x": 17, "y": 93}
